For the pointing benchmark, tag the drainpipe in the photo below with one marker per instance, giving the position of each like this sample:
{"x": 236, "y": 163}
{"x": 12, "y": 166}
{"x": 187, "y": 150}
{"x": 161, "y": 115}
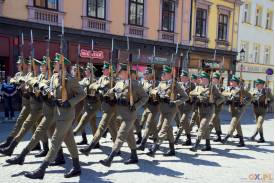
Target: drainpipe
{"x": 232, "y": 42}
{"x": 191, "y": 21}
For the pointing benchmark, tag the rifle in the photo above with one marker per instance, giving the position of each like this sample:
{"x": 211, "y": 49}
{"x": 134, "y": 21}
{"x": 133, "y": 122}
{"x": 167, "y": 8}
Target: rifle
{"x": 111, "y": 66}
{"x": 173, "y": 96}
{"x": 153, "y": 68}
{"x": 64, "y": 94}
{"x": 48, "y": 55}
{"x": 131, "y": 98}
{"x": 91, "y": 62}
{"x": 22, "y": 51}
{"x": 32, "y": 56}
{"x": 211, "y": 97}
{"x": 78, "y": 77}
{"x": 242, "y": 85}
{"x": 266, "y": 91}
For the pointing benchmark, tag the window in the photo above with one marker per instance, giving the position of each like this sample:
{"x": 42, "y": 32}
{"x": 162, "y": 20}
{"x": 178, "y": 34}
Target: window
{"x": 96, "y": 8}
{"x": 168, "y": 15}
{"x": 267, "y": 55}
{"x": 136, "y": 12}
{"x": 47, "y": 4}
{"x": 268, "y": 20}
{"x": 245, "y": 46}
{"x": 258, "y": 17}
{"x": 223, "y": 26}
{"x": 256, "y": 57}
{"x": 246, "y": 13}
{"x": 201, "y": 20}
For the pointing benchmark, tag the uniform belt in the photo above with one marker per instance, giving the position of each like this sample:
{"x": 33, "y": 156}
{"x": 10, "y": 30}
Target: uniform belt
{"x": 151, "y": 101}
{"x": 26, "y": 96}
{"x": 122, "y": 102}
{"x": 92, "y": 98}
{"x": 108, "y": 100}
{"x": 259, "y": 104}
{"x": 204, "y": 104}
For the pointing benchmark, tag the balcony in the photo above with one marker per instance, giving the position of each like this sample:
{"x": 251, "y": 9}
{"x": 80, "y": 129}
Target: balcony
{"x": 94, "y": 24}
{"x": 135, "y": 31}
{"x": 201, "y": 41}
{"x": 45, "y": 16}
{"x": 223, "y": 44}
{"x": 167, "y": 36}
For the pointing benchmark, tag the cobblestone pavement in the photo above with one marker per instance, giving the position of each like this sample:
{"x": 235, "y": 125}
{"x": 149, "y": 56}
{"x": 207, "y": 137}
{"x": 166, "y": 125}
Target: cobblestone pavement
{"x": 226, "y": 163}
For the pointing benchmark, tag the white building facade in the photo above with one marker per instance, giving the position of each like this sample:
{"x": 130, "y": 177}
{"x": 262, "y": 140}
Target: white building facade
{"x": 255, "y": 36}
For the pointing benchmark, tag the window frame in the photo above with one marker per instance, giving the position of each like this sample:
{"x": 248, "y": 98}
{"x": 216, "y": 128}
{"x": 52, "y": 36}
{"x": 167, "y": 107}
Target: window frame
{"x": 169, "y": 13}
{"x": 256, "y": 58}
{"x": 46, "y": 5}
{"x": 267, "y": 56}
{"x": 224, "y": 25}
{"x": 203, "y": 29}
{"x": 96, "y": 10}
{"x": 246, "y": 13}
{"x": 258, "y": 17}
{"x": 136, "y": 14}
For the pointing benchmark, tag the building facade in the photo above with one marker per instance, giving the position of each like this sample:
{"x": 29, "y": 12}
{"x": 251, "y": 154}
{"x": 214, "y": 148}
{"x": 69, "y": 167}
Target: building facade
{"x": 256, "y": 38}
{"x": 205, "y": 31}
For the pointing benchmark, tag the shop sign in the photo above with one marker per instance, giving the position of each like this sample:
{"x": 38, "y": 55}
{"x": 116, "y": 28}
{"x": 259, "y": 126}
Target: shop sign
{"x": 91, "y": 54}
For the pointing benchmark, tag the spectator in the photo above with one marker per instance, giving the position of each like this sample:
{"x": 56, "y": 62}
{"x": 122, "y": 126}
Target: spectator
{"x": 8, "y": 91}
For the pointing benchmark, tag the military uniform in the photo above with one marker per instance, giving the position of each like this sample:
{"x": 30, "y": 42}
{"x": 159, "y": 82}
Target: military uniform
{"x": 260, "y": 100}
{"x": 215, "y": 119}
{"x": 168, "y": 110}
{"x": 237, "y": 108}
{"x": 184, "y": 111}
{"x": 205, "y": 97}
{"x": 151, "y": 110}
{"x": 19, "y": 79}
{"x": 34, "y": 116}
{"x": 127, "y": 115}
{"x": 195, "y": 119}
{"x": 108, "y": 113}
{"x": 64, "y": 113}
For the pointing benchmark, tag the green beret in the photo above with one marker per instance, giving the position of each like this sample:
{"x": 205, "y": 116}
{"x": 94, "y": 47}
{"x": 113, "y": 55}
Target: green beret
{"x": 204, "y": 75}
{"x": 27, "y": 61}
{"x": 166, "y": 69}
{"x": 194, "y": 76}
{"x": 106, "y": 65}
{"x": 57, "y": 59}
{"x": 133, "y": 71}
{"x": 19, "y": 61}
{"x": 148, "y": 70}
{"x": 259, "y": 81}
{"x": 37, "y": 62}
{"x": 216, "y": 75}
{"x": 184, "y": 73}
{"x": 44, "y": 60}
{"x": 123, "y": 67}
{"x": 235, "y": 78}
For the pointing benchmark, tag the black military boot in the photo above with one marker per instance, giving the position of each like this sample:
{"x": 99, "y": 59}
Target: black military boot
{"x": 6, "y": 143}
{"x": 133, "y": 158}
{"x": 261, "y": 140}
{"x": 59, "y": 160}
{"x": 207, "y": 145}
{"x": 196, "y": 146}
{"x": 171, "y": 152}
{"x": 75, "y": 171}
{"x": 43, "y": 152}
{"x": 178, "y": 134}
{"x": 218, "y": 139}
{"x": 37, "y": 147}
{"x": 188, "y": 140}
{"x": 97, "y": 146}
{"x": 9, "y": 150}
{"x": 252, "y": 138}
{"x": 153, "y": 150}
{"x": 139, "y": 138}
{"x": 107, "y": 162}
{"x": 18, "y": 159}
{"x": 236, "y": 136}
{"x": 84, "y": 139}
{"x": 224, "y": 141}
{"x": 86, "y": 150}
{"x": 241, "y": 142}
{"x": 38, "y": 173}
{"x": 105, "y": 133}
{"x": 141, "y": 146}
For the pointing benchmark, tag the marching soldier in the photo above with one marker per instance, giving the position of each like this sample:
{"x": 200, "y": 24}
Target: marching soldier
{"x": 215, "y": 120}
{"x": 205, "y": 96}
{"x": 261, "y": 97}
{"x": 126, "y": 113}
{"x": 185, "y": 109}
{"x": 23, "y": 66}
{"x": 168, "y": 109}
{"x": 108, "y": 110}
{"x": 35, "y": 114}
{"x": 64, "y": 114}
{"x": 91, "y": 104}
{"x": 237, "y": 98}
{"x": 194, "y": 117}
{"x": 151, "y": 109}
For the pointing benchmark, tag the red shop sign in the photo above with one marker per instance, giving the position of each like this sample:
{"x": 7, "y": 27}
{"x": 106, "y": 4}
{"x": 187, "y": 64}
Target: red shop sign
{"x": 91, "y": 54}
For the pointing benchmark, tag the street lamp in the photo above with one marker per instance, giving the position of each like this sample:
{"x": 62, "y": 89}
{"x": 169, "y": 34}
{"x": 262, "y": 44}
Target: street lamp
{"x": 242, "y": 54}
